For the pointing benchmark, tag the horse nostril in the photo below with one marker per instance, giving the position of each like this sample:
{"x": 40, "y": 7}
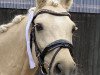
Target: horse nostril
{"x": 58, "y": 69}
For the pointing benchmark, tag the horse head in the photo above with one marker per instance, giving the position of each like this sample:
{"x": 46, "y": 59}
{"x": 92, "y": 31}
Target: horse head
{"x": 52, "y": 32}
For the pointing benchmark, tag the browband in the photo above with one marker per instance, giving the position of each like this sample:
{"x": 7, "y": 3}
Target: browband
{"x": 51, "y": 12}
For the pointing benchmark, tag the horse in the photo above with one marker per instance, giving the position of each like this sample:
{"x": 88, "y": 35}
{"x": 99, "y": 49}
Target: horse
{"x": 52, "y": 29}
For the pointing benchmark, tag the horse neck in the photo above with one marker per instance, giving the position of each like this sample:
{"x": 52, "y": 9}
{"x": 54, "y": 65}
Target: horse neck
{"x": 21, "y": 33}
{"x": 13, "y": 48}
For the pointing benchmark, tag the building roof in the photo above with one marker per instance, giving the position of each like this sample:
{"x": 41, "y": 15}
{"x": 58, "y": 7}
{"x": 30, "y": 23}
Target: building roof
{"x": 87, "y": 6}
{"x": 19, "y": 4}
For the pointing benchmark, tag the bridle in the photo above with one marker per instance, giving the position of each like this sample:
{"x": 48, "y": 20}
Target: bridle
{"x": 56, "y": 45}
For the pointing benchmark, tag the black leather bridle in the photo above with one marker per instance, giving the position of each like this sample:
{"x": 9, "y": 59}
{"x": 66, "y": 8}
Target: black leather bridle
{"x": 56, "y": 45}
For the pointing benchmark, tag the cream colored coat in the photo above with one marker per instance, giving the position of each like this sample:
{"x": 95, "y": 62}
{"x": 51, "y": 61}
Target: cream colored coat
{"x": 13, "y": 55}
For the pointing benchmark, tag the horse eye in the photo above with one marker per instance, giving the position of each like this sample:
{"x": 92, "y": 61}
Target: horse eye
{"x": 39, "y": 27}
{"x": 74, "y": 29}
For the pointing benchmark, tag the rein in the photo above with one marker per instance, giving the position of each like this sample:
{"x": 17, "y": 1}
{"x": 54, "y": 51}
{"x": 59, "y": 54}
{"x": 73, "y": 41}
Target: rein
{"x": 56, "y": 45}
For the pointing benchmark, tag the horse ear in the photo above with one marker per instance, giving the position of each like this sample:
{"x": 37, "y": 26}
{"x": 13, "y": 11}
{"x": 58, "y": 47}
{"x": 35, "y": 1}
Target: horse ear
{"x": 66, "y": 3}
{"x": 40, "y": 3}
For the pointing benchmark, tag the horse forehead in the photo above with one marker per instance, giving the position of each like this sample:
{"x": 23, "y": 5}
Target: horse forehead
{"x": 56, "y": 9}
{"x": 48, "y": 18}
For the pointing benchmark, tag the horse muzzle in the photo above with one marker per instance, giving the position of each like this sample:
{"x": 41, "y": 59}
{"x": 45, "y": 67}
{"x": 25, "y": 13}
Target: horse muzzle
{"x": 59, "y": 46}
{"x": 63, "y": 63}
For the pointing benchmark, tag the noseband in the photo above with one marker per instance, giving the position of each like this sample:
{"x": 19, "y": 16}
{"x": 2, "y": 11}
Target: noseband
{"x": 56, "y": 45}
